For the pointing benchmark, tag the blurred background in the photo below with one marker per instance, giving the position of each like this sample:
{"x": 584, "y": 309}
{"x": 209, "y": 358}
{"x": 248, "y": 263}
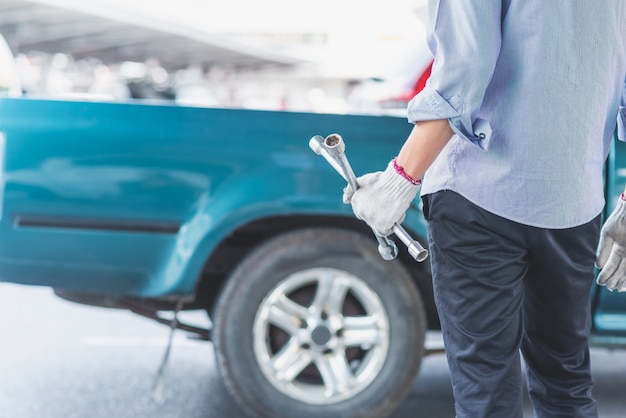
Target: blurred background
{"x": 348, "y": 56}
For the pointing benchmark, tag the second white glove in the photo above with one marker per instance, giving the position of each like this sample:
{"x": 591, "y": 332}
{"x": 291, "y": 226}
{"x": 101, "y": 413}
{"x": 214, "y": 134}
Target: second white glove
{"x": 382, "y": 199}
{"x": 611, "y": 254}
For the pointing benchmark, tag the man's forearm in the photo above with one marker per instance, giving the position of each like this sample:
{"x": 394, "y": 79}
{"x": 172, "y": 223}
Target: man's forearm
{"x": 424, "y": 144}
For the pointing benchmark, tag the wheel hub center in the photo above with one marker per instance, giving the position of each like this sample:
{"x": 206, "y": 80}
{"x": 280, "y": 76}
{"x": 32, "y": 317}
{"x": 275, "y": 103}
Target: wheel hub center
{"x": 320, "y": 335}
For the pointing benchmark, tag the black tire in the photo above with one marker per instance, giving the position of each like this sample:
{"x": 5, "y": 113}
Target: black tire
{"x": 350, "y": 263}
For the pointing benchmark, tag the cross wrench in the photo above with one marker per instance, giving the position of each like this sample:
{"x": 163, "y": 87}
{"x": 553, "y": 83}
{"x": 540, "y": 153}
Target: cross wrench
{"x": 335, "y": 148}
{"x": 332, "y": 148}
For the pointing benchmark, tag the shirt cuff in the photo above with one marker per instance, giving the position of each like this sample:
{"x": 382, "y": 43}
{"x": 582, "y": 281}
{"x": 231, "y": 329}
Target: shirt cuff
{"x": 430, "y": 105}
{"x": 621, "y": 124}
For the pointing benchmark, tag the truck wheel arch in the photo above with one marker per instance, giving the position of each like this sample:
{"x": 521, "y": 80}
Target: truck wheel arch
{"x": 230, "y": 251}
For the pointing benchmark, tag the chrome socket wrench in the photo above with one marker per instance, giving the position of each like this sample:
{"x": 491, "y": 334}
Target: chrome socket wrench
{"x": 332, "y": 148}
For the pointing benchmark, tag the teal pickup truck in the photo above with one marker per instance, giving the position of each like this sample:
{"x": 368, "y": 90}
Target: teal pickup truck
{"x": 156, "y": 209}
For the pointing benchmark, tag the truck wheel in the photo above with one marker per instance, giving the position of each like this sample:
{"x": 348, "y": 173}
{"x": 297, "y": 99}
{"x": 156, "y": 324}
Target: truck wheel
{"x": 314, "y": 323}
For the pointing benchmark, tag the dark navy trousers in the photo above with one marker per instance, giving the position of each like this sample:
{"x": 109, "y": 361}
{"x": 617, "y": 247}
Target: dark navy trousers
{"x": 502, "y": 288}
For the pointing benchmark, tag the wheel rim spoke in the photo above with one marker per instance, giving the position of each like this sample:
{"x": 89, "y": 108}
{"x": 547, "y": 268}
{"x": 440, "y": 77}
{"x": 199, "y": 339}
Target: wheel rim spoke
{"x": 286, "y": 314}
{"x": 289, "y": 362}
{"x": 361, "y": 331}
{"x": 336, "y": 373}
{"x": 330, "y": 294}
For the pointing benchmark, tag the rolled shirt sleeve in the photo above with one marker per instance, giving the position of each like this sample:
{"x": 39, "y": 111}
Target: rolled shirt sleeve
{"x": 621, "y": 117}
{"x": 464, "y": 37}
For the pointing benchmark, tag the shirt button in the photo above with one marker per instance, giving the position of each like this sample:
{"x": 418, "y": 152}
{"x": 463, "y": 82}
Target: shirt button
{"x": 482, "y": 135}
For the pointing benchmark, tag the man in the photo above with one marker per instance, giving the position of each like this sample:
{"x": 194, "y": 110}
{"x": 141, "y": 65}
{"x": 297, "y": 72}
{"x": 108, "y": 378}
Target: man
{"x": 513, "y": 127}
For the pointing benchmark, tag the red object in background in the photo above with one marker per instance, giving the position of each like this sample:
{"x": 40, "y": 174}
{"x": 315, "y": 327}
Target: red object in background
{"x": 406, "y": 96}
{"x": 421, "y": 82}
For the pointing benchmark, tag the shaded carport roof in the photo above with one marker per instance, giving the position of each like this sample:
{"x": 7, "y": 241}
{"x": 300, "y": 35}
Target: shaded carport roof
{"x": 114, "y": 36}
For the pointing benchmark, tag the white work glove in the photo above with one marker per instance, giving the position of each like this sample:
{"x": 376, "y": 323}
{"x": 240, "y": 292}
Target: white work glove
{"x": 382, "y": 199}
{"x": 611, "y": 254}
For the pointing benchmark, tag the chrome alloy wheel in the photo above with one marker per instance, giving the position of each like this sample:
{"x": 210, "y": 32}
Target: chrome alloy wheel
{"x": 321, "y": 336}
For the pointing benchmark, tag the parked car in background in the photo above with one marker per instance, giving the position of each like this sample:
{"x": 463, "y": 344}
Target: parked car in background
{"x": 391, "y": 92}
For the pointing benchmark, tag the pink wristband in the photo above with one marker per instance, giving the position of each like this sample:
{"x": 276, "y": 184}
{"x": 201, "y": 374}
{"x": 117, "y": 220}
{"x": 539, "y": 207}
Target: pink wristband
{"x": 622, "y": 196}
{"x": 403, "y": 173}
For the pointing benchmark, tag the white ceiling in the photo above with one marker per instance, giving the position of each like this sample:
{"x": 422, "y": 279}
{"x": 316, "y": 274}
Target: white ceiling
{"x": 112, "y": 35}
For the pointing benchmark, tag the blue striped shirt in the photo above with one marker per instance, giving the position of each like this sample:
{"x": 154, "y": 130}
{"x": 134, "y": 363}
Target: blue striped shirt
{"x": 532, "y": 90}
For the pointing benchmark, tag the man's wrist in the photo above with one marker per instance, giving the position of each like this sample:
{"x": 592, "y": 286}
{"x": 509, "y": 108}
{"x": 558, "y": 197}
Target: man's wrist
{"x": 405, "y": 175}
